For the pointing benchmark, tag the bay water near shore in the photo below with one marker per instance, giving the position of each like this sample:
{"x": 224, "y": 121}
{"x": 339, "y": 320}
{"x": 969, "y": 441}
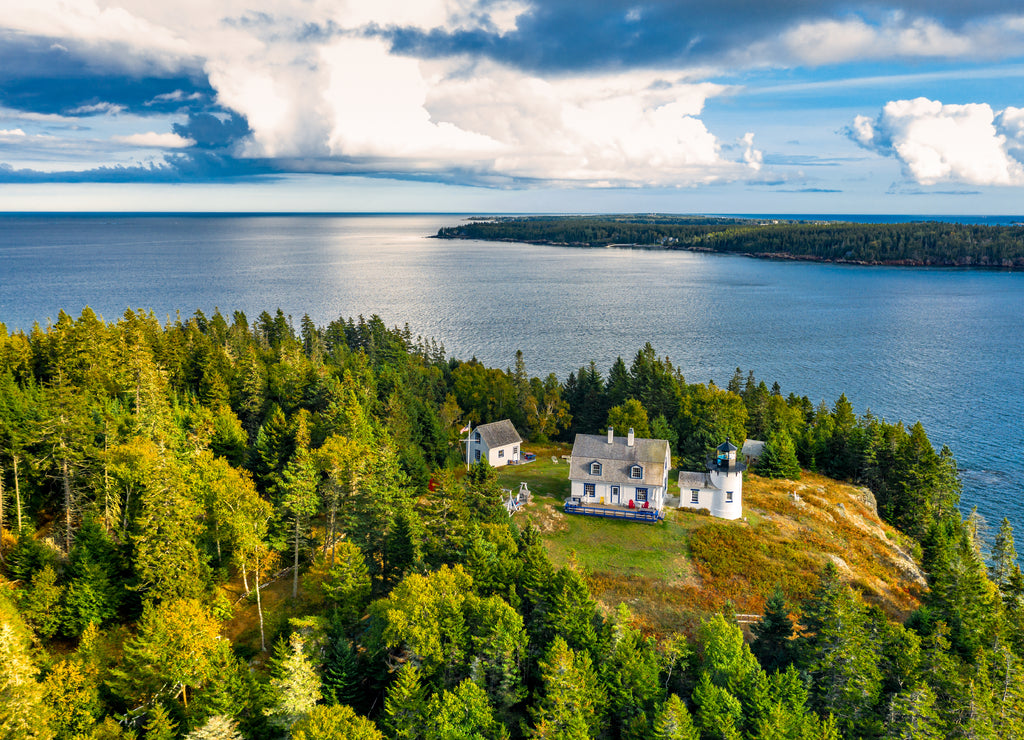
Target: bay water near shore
{"x": 942, "y": 346}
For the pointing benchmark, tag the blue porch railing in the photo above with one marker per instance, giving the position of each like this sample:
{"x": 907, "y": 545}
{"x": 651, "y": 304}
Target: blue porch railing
{"x": 642, "y": 515}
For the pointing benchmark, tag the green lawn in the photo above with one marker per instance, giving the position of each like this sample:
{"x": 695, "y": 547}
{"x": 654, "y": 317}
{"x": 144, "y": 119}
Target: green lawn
{"x": 602, "y": 546}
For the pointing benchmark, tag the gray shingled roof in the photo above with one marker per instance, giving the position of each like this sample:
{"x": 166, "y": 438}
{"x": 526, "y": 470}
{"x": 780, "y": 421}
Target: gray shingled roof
{"x": 753, "y": 448}
{"x": 688, "y": 480}
{"x": 498, "y": 434}
{"x": 617, "y": 458}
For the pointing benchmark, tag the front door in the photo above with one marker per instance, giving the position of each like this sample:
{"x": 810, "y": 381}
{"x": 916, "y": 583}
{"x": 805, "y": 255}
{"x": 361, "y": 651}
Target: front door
{"x": 615, "y": 495}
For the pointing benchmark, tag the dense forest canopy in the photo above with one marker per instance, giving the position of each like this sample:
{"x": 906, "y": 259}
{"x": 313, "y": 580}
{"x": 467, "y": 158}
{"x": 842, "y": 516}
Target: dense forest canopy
{"x": 145, "y": 468}
{"x": 917, "y": 243}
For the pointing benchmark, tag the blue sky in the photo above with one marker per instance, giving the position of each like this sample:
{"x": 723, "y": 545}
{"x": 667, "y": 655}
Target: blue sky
{"x": 513, "y": 105}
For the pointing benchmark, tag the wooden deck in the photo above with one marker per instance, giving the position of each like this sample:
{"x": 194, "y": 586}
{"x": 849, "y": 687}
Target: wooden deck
{"x": 608, "y": 511}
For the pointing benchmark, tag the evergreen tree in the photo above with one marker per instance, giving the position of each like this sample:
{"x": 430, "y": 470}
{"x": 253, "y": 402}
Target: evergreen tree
{"x": 405, "y": 705}
{"x": 839, "y": 653}
{"x": 160, "y": 726}
{"x": 296, "y": 688}
{"x": 23, "y": 714}
{"x": 337, "y": 722}
{"x": 347, "y": 586}
{"x": 463, "y": 713}
{"x": 673, "y": 721}
{"x": 217, "y": 727}
{"x": 1003, "y": 558}
{"x": 568, "y": 706}
{"x": 779, "y": 457}
{"x": 773, "y": 635}
{"x": 912, "y": 716}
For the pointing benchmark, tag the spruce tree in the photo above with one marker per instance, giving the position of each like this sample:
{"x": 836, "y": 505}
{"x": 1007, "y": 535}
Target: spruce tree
{"x": 405, "y": 705}
{"x": 296, "y": 688}
{"x": 779, "y": 457}
{"x": 673, "y": 721}
{"x": 1003, "y": 558}
{"x": 772, "y": 644}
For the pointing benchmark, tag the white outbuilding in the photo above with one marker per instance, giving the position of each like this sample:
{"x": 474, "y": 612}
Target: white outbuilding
{"x": 498, "y": 443}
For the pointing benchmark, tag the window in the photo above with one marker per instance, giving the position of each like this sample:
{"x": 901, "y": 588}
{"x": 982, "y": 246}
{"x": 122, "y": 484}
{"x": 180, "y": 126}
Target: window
{"x": 476, "y": 437}
{"x": 589, "y": 489}
{"x": 728, "y": 497}
{"x": 636, "y": 472}
{"x": 478, "y": 455}
{"x": 501, "y": 453}
{"x": 641, "y": 495}
{"x": 694, "y": 496}
{"x": 595, "y": 468}
{"x": 515, "y": 450}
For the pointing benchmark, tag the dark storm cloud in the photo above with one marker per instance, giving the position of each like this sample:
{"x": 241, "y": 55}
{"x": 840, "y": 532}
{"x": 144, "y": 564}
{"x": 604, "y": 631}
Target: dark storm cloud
{"x": 41, "y": 75}
{"x": 210, "y": 131}
{"x": 178, "y": 168}
{"x": 567, "y": 35}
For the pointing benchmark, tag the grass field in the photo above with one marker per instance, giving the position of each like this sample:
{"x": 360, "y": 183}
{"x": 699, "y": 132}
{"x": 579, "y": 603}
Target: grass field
{"x": 672, "y": 572}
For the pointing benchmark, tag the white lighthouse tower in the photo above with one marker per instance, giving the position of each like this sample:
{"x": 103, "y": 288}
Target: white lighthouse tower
{"x": 726, "y": 477}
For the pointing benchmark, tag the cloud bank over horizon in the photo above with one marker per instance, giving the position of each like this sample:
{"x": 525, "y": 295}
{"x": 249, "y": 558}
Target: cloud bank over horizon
{"x": 494, "y": 93}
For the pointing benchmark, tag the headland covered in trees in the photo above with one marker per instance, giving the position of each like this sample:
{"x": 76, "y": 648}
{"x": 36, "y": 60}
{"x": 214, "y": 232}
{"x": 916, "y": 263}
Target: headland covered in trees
{"x": 149, "y": 471}
{"x": 919, "y": 243}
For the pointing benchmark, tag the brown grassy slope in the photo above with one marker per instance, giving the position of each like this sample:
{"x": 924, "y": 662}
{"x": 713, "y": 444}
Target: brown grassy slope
{"x": 672, "y": 573}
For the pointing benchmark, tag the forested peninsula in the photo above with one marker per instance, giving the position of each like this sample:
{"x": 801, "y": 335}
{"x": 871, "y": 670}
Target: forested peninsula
{"x": 926, "y": 243}
{"x": 224, "y": 528}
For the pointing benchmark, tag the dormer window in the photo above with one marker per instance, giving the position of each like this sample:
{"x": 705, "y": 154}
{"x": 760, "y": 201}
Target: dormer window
{"x": 595, "y": 468}
{"x": 636, "y": 472}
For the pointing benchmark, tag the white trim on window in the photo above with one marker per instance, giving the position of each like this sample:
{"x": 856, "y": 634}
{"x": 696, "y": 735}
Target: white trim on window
{"x": 636, "y": 472}
{"x": 595, "y": 468}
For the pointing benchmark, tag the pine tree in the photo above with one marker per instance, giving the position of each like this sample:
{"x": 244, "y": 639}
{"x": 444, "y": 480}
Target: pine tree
{"x": 217, "y": 727}
{"x": 1003, "y": 558}
{"x": 567, "y": 706}
{"x": 296, "y": 688}
{"x": 779, "y": 457}
{"x": 405, "y": 705}
{"x": 773, "y": 635}
{"x": 160, "y": 726}
{"x": 912, "y": 716}
{"x": 340, "y": 670}
{"x": 673, "y": 721}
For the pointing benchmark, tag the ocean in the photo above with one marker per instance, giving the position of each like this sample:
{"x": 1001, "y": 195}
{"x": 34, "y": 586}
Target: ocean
{"x": 942, "y": 346}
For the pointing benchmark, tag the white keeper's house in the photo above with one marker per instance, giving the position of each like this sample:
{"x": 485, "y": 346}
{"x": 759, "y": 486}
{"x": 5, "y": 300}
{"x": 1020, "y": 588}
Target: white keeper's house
{"x": 616, "y": 471}
{"x": 720, "y": 489}
{"x": 498, "y": 443}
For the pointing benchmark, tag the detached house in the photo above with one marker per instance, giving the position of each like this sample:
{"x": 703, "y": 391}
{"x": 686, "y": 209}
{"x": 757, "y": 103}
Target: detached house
{"x": 498, "y": 443}
{"x": 619, "y": 471}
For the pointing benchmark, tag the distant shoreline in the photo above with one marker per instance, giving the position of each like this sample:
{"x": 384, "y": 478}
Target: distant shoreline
{"x": 940, "y": 244}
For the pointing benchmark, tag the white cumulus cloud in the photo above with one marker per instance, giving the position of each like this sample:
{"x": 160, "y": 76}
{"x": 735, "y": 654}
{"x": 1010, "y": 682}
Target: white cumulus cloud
{"x": 153, "y": 140}
{"x": 937, "y": 143}
{"x": 321, "y": 92}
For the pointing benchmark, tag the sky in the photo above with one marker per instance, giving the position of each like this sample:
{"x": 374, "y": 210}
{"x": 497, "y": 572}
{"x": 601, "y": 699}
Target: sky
{"x": 503, "y": 106}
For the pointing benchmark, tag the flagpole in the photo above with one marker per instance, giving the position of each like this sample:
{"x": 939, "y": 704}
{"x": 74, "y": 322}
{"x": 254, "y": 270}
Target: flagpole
{"x": 468, "y": 429}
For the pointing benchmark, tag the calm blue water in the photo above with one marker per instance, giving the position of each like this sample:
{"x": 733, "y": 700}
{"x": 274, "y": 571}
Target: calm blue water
{"x": 942, "y": 346}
